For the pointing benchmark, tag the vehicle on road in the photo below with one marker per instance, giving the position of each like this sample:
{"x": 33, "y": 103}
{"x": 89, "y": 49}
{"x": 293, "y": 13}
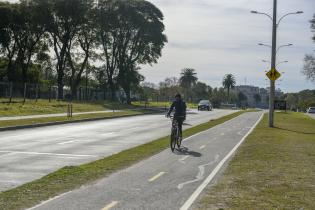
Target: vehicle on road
{"x": 204, "y": 105}
{"x": 175, "y": 135}
{"x": 311, "y": 110}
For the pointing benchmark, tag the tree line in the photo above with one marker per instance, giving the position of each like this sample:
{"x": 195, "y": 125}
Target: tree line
{"x": 194, "y": 90}
{"x": 63, "y": 39}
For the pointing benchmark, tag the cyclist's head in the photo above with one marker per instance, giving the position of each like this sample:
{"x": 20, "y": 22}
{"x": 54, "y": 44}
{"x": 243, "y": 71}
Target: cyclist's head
{"x": 178, "y": 97}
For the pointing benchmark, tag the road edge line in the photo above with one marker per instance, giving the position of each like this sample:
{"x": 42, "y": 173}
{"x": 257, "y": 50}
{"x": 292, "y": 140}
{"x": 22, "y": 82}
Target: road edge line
{"x": 198, "y": 191}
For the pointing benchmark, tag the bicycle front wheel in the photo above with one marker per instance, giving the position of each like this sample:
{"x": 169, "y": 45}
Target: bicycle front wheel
{"x": 173, "y": 140}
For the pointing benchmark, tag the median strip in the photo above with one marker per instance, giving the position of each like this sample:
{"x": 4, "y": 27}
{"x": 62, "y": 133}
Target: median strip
{"x": 72, "y": 177}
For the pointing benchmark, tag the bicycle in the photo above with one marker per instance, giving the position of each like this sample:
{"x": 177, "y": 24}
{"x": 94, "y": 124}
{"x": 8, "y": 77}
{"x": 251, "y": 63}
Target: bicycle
{"x": 175, "y": 137}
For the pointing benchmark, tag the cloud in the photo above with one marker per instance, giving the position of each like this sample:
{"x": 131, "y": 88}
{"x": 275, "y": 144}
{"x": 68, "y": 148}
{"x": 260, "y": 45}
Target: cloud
{"x": 220, "y": 36}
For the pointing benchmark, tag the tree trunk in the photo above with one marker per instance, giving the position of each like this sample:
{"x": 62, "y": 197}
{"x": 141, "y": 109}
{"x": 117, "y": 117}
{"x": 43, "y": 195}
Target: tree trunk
{"x": 128, "y": 97}
{"x": 60, "y": 87}
{"x": 112, "y": 89}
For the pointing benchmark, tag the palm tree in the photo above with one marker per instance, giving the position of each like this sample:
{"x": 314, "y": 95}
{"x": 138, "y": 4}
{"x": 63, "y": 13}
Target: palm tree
{"x": 229, "y": 83}
{"x": 188, "y": 79}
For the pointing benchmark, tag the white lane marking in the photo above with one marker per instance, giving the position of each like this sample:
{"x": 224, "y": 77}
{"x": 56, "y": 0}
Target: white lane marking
{"x": 67, "y": 142}
{"x": 182, "y": 160}
{"x": 46, "y": 153}
{"x": 202, "y": 147}
{"x": 200, "y": 174}
{"x": 7, "y": 154}
{"x": 240, "y": 133}
{"x": 43, "y": 203}
{"x": 156, "y": 176}
{"x": 111, "y": 205}
{"x": 222, "y": 134}
{"x": 197, "y": 192}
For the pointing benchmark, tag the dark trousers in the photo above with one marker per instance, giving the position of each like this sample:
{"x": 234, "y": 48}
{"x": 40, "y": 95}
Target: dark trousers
{"x": 180, "y": 122}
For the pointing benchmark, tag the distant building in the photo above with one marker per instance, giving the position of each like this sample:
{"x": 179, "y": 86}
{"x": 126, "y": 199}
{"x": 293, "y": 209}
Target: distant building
{"x": 251, "y": 91}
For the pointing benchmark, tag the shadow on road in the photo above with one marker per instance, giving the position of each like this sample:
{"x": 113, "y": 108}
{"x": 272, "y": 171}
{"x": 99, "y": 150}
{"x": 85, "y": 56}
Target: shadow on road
{"x": 186, "y": 151}
{"x": 295, "y": 131}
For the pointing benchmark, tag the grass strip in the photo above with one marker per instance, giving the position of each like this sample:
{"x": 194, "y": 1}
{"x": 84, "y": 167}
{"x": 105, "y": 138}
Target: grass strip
{"x": 43, "y": 106}
{"x": 34, "y": 121}
{"x": 72, "y": 177}
{"x": 273, "y": 169}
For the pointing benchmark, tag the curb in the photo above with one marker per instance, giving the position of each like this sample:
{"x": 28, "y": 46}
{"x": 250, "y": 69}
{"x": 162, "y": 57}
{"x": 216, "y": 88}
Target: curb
{"x": 39, "y": 125}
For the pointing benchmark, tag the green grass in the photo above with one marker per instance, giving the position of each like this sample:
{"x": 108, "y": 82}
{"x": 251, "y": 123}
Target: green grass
{"x": 31, "y": 107}
{"x": 273, "y": 169}
{"x": 72, "y": 177}
{"x": 23, "y": 122}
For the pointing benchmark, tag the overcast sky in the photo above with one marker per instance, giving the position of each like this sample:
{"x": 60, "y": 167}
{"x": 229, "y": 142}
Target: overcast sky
{"x": 217, "y": 37}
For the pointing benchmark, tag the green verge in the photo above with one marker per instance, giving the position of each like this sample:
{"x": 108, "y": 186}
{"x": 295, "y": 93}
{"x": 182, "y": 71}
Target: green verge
{"x": 273, "y": 169}
{"x": 72, "y": 177}
{"x": 35, "y": 121}
{"x": 43, "y": 106}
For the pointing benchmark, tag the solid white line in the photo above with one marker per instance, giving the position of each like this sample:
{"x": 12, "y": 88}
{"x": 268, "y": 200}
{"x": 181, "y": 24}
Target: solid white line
{"x": 156, "y": 176}
{"x": 53, "y": 154}
{"x": 202, "y": 147}
{"x": 111, "y": 205}
{"x": 195, "y": 195}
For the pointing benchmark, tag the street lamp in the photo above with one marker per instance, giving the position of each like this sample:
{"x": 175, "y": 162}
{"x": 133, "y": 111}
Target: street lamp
{"x": 266, "y": 45}
{"x": 277, "y": 63}
{"x": 274, "y": 51}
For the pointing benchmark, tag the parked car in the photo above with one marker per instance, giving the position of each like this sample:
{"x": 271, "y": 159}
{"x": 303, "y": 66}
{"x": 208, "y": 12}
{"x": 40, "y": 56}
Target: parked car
{"x": 205, "y": 105}
{"x": 311, "y": 110}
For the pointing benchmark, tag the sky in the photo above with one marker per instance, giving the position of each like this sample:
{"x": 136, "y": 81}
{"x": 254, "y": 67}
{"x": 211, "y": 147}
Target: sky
{"x": 217, "y": 37}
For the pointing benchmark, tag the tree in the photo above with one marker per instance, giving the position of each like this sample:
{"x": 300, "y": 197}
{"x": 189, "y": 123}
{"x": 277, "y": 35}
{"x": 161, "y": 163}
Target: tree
{"x": 64, "y": 19}
{"x": 201, "y": 91}
{"x": 169, "y": 87}
{"x": 130, "y": 33}
{"x": 187, "y": 80}
{"x": 309, "y": 67}
{"x": 8, "y": 46}
{"x": 84, "y": 42}
{"x": 229, "y": 83}
{"x": 309, "y": 60}
{"x": 257, "y": 98}
{"x": 292, "y": 101}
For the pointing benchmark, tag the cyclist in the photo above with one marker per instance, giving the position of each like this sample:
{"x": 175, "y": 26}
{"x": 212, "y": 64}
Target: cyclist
{"x": 180, "y": 112}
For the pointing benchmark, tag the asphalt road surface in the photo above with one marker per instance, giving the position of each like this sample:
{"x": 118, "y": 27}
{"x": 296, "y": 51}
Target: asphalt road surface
{"x": 311, "y": 115}
{"x": 167, "y": 180}
{"x": 29, "y": 154}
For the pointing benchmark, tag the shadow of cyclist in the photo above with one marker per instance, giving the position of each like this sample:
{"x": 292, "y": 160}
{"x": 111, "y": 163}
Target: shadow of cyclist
{"x": 186, "y": 151}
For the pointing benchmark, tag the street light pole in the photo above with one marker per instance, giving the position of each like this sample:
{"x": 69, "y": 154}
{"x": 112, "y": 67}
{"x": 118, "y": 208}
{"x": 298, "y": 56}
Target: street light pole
{"x": 273, "y": 64}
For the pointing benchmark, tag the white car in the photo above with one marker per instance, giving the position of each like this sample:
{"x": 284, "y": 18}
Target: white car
{"x": 311, "y": 110}
{"x": 205, "y": 105}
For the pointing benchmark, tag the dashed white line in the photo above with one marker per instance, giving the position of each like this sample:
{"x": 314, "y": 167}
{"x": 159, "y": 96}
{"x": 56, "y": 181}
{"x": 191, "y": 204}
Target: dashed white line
{"x": 202, "y": 147}
{"x": 111, "y": 205}
{"x": 156, "y": 176}
{"x": 182, "y": 160}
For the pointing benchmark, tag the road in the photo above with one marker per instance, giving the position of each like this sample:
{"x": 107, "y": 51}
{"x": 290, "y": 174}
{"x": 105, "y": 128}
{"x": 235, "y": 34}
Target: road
{"x": 29, "y": 154}
{"x": 311, "y": 115}
{"x": 166, "y": 180}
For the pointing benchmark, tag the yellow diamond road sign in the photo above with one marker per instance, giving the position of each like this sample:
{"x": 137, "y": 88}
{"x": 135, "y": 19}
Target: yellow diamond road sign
{"x": 273, "y": 74}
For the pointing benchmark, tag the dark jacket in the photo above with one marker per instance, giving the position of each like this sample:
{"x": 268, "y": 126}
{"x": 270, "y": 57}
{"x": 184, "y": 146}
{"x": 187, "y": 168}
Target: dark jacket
{"x": 180, "y": 108}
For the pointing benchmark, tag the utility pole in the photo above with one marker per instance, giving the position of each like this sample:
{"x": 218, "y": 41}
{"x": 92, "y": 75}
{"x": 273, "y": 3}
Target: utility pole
{"x": 273, "y": 64}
